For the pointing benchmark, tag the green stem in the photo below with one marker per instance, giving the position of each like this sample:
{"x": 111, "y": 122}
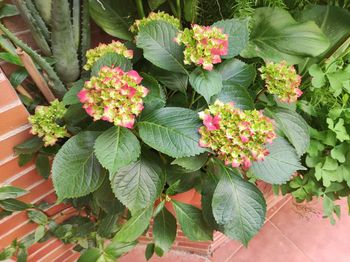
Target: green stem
{"x": 140, "y": 10}
{"x": 178, "y": 6}
{"x": 57, "y": 86}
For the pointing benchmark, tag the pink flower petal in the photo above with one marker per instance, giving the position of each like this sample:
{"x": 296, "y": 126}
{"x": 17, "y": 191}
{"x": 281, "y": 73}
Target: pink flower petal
{"x": 133, "y": 74}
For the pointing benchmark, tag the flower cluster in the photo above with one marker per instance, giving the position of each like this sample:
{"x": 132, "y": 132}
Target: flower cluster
{"x": 204, "y": 45}
{"x": 160, "y": 16}
{"x": 45, "y": 122}
{"x": 282, "y": 80}
{"x": 117, "y": 47}
{"x": 237, "y": 137}
{"x": 114, "y": 96}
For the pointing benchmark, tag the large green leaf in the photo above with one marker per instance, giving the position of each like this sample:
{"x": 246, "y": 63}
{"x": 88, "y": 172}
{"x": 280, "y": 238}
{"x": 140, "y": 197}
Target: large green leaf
{"x": 116, "y": 249}
{"x": 135, "y": 226}
{"x": 206, "y": 83}
{"x": 236, "y": 72}
{"x": 192, "y": 163}
{"x": 239, "y": 207}
{"x": 14, "y": 205}
{"x": 18, "y": 77}
{"x": 333, "y": 20}
{"x": 164, "y": 230}
{"x": 237, "y": 94}
{"x": 111, "y": 60}
{"x": 138, "y": 184}
{"x": 157, "y": 41}
{"x": 7, "y": 192}
{"x": 116, "y": 148}
{"x": 276, "y": 36}
{"x": 171, "y": 80}
{"x": 113, "y": 16}
{"x": 71, "y": 97}
{"x": 238, "y": 33}
{"x": 279, "y": 166}
{"x": 8, "y": 10}
{"x": 75, "y": 171}
{"x": 172, "y": 131}
{"x": 294, "y": 127}
{"x": 155, "y": 99}
{"x": 191, "y": 221}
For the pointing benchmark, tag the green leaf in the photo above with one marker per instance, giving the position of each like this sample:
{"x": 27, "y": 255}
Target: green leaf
{"x": 42, "y": 165}
{"x": 75, "y": 171}
{"x": 71, "y": 97}
{"x": 236, "y": 72}
{"x": 111, "y": 16}
{"x": 14, "y": 205}
{"x": 209, "y": 183}
{"x": 339, "y": 129}
{"x": 39, "y": 233}
{"x": 30, "y": 146}
{"x": 332, "y": 20}
{"x": 294, "y": 127}
{"x": 164, "y": 230}
{"x": 238, "y": 33}
{"x": 171, "y": 80}
{"x": 237, "y": 94}
{"x": 8, "y": 10}
{"x": 181, "y": 179}
{"x": 107, "y": 225}
{"x": 116, "y": 249}
{"x": 339, "y": 152}
{"x": 237, "y": 77}
{"x": 279, "y": 166}
{"x": 106, "y": 199}
{"x": 149, "y": 251}
{"x": 111, "y": 60}
{"x": 156, "y": 98}
{"x": 7, "y": 252}
{"x": 138, "y": 184}
{"x": 206, "y": 83}
{"x": 37, "y": 216}
{"x": 318, "y": 76}
{"x": 135, "y": 226}
{"x": 191, "y": 10}
{"x": 7, "y": 192}
{"x": 192, "y": 163}
{"x": 90, "y": 255}
{"x": 157, "y": 41}
{"x": 22, "y": 254}
{"x": 117, "y": 147}
{"x": 172, "y": 131}
{"x": 275, "y": 32}
{"x": 18, "y": 77}
{"x": 191, "y": 221}
{"x": 154, "y": 4}
{"x": 239, "y": 207}
{"x": 11, "y": 58}
{"x": 24, "y": 159}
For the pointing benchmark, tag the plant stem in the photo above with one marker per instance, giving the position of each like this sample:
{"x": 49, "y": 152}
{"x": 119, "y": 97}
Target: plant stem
{"x": 178, "y": 7}
{"x": 140, "y": 10}
{"x": 259, "y": 94}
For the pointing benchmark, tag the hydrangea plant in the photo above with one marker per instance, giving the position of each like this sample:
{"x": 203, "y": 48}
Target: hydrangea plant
{"x": 46, "y": 122}
{"x": 186, "y": 115}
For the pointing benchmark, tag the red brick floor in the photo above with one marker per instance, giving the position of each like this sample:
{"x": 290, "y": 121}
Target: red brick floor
{"x": 295, "y": 233}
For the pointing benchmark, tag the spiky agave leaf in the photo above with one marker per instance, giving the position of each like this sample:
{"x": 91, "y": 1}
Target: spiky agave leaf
{"x": 63, "y": 47}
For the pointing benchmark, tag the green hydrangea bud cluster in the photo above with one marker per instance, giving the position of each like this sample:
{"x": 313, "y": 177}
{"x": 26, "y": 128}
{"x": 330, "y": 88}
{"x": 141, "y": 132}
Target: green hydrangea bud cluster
{"x": 45, "y": 122}
{"x": 114, "y": 96}
{"x": 159, "y": 16}
{"x": 237, "y": 137}
{"x": 117, "y": 47}
{"x": 204, "y": 45}
{"x": 282, "y": 80}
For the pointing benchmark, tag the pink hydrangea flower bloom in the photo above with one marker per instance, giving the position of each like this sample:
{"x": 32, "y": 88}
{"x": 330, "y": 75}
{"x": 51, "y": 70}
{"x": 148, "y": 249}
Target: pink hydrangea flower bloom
{"x": 237, "y": 137}
{"x": 114, "y": 96}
